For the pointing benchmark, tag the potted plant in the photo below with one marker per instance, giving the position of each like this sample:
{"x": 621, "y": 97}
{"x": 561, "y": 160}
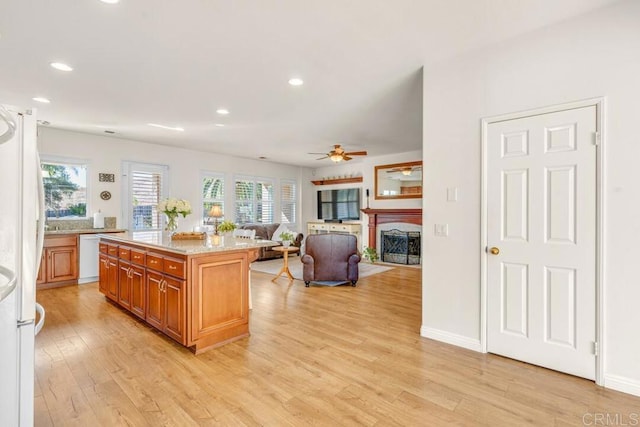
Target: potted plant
{"x": 286, "y": 237}
{"x": 226, "y": 227}
{"x": 370, "y": 254}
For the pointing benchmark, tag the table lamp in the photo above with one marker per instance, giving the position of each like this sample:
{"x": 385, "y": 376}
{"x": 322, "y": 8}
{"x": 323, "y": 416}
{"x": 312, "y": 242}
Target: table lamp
{"x": 216, "y": 214}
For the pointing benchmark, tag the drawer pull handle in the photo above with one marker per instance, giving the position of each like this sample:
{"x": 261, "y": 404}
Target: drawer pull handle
{"x": 172, "y": 267}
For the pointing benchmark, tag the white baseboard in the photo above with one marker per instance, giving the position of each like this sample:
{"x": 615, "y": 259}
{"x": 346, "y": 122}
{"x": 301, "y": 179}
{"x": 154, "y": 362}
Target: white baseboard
{"x": 451, "y": 338}
{"x": 623, "y": 384}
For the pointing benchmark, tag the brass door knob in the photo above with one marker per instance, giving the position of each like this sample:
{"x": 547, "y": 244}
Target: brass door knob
{"x": 494, "y": 251}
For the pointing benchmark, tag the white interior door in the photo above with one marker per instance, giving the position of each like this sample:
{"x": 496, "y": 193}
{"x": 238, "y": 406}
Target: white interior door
{"x": 541, "y": 217}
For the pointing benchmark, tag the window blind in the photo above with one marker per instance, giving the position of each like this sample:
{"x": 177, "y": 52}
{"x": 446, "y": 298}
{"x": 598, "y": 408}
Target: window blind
{"x": 146, "y": 191}
{"x": 212, "y": 193}
{"x": 288, "y": 202}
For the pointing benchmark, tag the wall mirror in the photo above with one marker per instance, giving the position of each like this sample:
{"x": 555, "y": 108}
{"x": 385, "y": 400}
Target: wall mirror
{"x": 399, "y": 181}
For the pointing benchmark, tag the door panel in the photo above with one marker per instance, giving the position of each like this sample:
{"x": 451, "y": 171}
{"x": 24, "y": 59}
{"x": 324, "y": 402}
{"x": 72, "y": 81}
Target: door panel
{"x": 124, "y": 284}
{"x": 541, "y": 206}
{"x": 175, "y": 306}
{"x": 138, "y": 291}
{"x": 155, "y": 300}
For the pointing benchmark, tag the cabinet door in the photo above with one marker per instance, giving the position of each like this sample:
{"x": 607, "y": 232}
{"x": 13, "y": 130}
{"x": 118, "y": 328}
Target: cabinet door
{"x": 138, "y": 293}
{"x": 175, "y": 308}
{"x": 62, "y": 263}
{"x": 42, "y": 273}
{"x": 112, "y": 278}
{"x": 155, "y": 300}
{"x": 124, "y": 284}
{"x": 103, "y": 283}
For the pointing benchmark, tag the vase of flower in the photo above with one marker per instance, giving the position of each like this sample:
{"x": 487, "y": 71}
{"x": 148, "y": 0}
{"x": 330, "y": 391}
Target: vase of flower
{"x": 172, "y": 223}
{"x": 172, "y": 208}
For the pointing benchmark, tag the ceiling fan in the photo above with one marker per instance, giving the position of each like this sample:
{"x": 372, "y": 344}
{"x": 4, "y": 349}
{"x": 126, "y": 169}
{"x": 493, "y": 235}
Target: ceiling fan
{"x": 405, "y": 170}
{"x": 338, "y": 154}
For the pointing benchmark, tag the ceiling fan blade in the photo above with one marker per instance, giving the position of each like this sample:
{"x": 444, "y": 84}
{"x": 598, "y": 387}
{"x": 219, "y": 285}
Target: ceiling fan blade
{"x": 356, "y": 153}
{"x": 318, "y": 153}
{"x": 346, "y": 158}
{"x": 322, "y": 158}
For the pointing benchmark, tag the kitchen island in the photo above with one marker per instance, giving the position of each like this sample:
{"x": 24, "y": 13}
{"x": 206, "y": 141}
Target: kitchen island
{"x": 194, "y": 291}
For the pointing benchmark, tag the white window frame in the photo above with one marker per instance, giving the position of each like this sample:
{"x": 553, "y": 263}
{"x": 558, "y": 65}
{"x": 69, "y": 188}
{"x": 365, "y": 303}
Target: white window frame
{"x": 45, "y": 158}
{"x": 255, "y": 180}
{"x": 219, "y": 175}
{"x": 127, "y": 206}
{"x": 283, "y": 182}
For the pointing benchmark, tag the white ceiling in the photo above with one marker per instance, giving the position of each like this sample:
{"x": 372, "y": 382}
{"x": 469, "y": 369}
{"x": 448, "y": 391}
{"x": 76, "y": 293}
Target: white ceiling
{"x": 175, "y": 62}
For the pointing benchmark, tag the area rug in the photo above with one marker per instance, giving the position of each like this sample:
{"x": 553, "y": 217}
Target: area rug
{"x": 272, "y": 266}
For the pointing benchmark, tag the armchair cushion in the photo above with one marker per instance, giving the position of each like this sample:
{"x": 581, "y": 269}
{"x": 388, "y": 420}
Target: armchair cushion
{"x": 330, "y": 257}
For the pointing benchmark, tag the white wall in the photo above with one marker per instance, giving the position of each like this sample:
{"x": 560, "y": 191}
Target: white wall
{"x": 594, "y": 55}
{"x": 106, "y": 154}
{"x": 364, "y": 168}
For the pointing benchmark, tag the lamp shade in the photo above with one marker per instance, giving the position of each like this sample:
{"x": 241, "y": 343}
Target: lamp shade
{"x": 215, "y": 212}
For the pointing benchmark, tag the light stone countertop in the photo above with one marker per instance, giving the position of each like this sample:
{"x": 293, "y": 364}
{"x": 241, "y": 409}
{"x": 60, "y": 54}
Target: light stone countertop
{"x": 85, "y": 231}
{"x": 160, "y": 240}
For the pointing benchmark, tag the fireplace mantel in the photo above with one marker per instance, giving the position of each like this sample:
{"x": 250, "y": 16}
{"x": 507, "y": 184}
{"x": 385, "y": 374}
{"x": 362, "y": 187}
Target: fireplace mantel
{"x": 385, "y": 216}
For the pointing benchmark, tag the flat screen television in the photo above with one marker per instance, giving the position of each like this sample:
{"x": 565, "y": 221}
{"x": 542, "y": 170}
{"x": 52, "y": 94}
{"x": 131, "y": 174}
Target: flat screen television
{"x": 343, "y": 204}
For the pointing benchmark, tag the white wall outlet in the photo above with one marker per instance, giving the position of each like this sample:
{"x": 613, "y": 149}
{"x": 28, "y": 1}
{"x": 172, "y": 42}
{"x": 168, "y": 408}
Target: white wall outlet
{"x": 441, "y": 230}
{"x": 452, "y": 194}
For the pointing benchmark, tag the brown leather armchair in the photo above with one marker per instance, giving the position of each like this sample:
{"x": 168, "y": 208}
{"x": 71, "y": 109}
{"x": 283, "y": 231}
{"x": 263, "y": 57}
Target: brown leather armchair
{"x": 330, "y": 257}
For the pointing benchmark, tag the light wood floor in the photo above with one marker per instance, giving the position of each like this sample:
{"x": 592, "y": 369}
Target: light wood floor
{"x": 316, "y": 356}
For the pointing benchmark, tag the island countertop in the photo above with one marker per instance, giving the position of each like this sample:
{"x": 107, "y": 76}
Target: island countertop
{"x": 210, "y": 244}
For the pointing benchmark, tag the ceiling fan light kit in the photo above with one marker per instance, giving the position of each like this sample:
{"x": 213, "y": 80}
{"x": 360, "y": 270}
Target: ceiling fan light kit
{"x": 338, "y": 154}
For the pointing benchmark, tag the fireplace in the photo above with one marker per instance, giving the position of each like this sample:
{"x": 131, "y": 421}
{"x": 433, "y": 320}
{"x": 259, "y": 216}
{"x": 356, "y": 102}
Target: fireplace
{"x": 400, "y": 247}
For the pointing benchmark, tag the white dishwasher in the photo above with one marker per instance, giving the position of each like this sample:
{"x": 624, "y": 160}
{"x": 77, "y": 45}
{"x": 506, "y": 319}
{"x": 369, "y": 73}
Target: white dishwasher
{"x": 88, "y": 258}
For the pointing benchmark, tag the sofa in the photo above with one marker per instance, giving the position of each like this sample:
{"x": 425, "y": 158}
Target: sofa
{"x": 266, "y": 232}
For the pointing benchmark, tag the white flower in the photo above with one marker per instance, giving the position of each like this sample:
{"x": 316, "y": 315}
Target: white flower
{"x": 172, "y": 206}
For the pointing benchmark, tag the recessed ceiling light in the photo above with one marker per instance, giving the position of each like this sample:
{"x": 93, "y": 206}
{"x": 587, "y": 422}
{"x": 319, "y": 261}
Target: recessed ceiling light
{"x": 110, "y": 1}
{"x": 220, "y": 125}
{"x": 61, "y": 66}
{"x": 222, "y": 111}
{"x": 41, "y": 99}
{"x": 296, "y": 82}
{"x": 176, "y": 128}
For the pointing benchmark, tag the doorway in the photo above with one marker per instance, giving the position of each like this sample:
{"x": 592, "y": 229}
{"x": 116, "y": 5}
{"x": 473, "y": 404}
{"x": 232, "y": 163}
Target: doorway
{"x": 541, "y": 218}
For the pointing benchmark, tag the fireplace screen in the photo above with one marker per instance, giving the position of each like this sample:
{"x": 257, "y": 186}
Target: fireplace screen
{"x": 400, "y": 247}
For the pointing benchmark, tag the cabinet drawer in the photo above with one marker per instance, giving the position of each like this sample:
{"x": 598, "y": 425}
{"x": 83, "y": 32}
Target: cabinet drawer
{"x": 137, "y": 257}
{"x": 53, "y": 241}
{"x": 340, "y": 228}
{"x": 103, "y": 248}
{"x": 174, "y": 267}
{"x": 124, "y": 253}
{"x": 112, "y": 250}
{"x": 154, "y": 261}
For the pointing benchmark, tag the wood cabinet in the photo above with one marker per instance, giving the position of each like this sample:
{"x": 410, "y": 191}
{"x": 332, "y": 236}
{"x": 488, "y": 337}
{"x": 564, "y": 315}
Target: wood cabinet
{"x": 109, "y": 275}
{"x": 59, "y": 262}
{"x": 335, "y": 227}
{"x": 166, "y": 302}
{"x": 200, "y": 300}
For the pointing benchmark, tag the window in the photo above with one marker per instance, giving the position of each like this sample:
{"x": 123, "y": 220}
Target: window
{"x": 65, "y": 188}
{"x": 212, "y": 193}
{"x": 288, "y": 199}
{"x": 146, "y": 186}
{"x": 254, "y": 200}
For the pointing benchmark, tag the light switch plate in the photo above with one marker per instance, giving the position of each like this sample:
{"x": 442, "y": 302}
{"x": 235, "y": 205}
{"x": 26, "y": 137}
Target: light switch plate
{"x": 441, "y": 230}
{"x": 452, "y": 194}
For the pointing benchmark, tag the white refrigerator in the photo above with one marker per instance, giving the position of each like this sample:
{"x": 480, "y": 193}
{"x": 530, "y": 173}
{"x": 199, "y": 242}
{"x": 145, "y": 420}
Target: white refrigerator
{"x": 21, "y": 238}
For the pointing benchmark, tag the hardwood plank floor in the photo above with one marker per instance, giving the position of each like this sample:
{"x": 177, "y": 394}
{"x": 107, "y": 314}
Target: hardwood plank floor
{"x": 316, "y": 356}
